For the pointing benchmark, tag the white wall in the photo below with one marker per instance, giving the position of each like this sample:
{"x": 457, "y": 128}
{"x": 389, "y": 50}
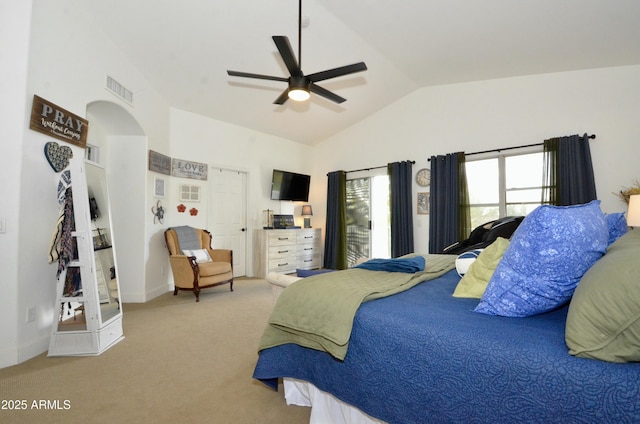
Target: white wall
{"x": 498, "y": 113}
{"x": 15, "y": 25}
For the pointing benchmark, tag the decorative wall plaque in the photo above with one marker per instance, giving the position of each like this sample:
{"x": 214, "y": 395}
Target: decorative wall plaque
{"x": 50, "y": 119}
{"x": 188, "y": 169}
{"x": 159, "y": 163}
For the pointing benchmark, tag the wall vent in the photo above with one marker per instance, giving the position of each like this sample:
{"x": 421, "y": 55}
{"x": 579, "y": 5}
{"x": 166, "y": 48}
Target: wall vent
{"x": 119, "y": 90}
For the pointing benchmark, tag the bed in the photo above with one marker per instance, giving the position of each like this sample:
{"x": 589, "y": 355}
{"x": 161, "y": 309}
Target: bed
{"x": 422, "y": 355}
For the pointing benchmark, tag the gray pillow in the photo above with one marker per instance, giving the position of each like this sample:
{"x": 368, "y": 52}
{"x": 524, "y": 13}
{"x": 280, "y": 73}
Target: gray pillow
{"x": 603, "y": 321}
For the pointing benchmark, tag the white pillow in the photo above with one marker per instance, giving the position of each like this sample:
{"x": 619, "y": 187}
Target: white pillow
{"x": 201, "y": 255}
{"x": 464, "y": 260}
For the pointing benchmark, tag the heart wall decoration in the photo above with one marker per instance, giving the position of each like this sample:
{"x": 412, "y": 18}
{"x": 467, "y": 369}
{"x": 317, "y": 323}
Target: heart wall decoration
{"x": 58, "y": 156}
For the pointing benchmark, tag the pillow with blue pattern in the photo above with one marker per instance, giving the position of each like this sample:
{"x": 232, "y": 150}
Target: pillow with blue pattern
{"x": 617, "y": 224}
{"x": 548, "y": 254}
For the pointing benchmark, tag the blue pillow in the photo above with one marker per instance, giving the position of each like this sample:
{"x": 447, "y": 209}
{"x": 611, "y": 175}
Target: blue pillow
{"x": 548, "y": 254}
{"x": 617, "y": 224}
{"x": 304, "y": 273}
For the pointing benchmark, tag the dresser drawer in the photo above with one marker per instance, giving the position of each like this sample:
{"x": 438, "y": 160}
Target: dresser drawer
{"x": 307, "y": 250}
{"x": 283, "y": 266}
{"x": 309, "y": 262}
{"x": 308, "y": 237}
{"x": 282, "y": 251}
{"x": 278, "y": 238}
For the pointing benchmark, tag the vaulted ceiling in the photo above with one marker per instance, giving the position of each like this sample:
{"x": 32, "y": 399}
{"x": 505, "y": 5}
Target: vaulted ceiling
{"x": 184, "y": 49}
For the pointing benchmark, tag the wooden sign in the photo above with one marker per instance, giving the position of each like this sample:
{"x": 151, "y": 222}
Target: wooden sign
{"x": 57, "y": 122}
{"x": 159, "y": 163}
{"x": 188, "y": 169}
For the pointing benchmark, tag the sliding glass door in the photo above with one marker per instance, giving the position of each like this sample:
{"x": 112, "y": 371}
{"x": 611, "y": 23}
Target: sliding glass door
{"x": 368, "y": 220}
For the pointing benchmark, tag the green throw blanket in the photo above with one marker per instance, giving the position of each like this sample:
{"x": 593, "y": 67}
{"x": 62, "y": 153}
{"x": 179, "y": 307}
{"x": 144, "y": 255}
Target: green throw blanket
{"x": 317, "y": 312}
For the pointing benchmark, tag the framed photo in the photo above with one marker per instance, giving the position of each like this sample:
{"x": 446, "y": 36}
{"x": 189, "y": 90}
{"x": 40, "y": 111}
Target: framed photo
{"x": 158, "y": 187}
{"x": 423, "y": 203}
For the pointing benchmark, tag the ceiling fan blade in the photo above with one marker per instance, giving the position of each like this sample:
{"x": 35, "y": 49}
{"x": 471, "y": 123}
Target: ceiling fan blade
{"x": 337, "y": 72}
{"x": 326, "y": 93}
{"x": 284, "y": 47}
{"x": 258, "y": 76}
{"x": 283, "y": 98}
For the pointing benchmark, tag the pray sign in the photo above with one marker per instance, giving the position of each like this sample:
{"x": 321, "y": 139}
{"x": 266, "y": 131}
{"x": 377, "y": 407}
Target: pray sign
{"x": 57, "y": 122}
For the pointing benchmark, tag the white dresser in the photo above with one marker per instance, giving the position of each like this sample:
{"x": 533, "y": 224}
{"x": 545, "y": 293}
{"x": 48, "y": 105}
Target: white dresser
{"x": 284, "y": 251}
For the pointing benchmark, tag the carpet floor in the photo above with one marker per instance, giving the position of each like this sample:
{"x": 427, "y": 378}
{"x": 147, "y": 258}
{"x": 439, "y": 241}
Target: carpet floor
{"x": 180, "y": 361}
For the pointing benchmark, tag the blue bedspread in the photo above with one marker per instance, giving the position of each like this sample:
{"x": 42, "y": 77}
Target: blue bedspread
{"x": 422, "y": 356}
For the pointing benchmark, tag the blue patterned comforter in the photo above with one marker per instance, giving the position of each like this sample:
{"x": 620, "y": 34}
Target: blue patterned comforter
{"x": 423, "y": 356}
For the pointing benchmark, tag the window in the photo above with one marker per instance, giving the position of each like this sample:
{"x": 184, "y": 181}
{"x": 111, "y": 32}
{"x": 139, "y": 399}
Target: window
{"x": 92, "y": 153}
{"x": 504, "y": 185}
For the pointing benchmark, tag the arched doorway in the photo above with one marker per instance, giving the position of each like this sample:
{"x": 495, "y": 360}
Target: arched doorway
{"x": 118, "y": 143}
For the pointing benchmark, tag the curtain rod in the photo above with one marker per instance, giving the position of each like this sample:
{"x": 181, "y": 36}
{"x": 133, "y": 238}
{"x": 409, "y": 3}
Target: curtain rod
{"x": 375, "y": 167}
{"x": 592, "y": 136}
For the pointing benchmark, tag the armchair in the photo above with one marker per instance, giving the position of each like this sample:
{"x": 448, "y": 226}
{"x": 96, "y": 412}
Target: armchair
{"x": 200, "y": 266}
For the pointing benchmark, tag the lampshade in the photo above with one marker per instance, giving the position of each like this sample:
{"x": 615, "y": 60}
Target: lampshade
{"x": 299, "y": 94}
{"x": 633, "y": 213}
{"x": 306, "y": 210}
{"x": 298, "y": 89}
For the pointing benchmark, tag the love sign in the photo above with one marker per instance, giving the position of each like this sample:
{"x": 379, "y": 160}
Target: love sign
{"x": 188, "y": 169}
{"x": 57, "y": 122}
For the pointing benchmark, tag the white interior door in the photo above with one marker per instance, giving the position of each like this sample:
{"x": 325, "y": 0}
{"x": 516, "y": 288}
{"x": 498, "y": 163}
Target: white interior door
{"x": 227, "y": 218}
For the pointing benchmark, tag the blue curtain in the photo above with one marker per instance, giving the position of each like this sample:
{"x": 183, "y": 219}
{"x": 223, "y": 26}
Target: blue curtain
{"x": 335, "y": 239}
{"x": 400, "y": 184}
{"x": 449, "y": 219}
{"x": 568, "y": 171}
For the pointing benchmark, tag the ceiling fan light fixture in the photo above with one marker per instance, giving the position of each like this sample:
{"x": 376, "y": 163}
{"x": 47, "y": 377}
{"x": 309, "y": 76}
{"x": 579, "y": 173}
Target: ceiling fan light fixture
{"x": 298, "y": 94}
{"x": 298, "y": 89}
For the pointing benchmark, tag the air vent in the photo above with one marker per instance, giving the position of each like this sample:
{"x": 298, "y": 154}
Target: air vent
{"x": 119, "y": 90}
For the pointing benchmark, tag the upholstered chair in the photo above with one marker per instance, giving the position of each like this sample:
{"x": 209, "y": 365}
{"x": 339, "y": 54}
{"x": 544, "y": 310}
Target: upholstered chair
{"x": 194, "y": 264}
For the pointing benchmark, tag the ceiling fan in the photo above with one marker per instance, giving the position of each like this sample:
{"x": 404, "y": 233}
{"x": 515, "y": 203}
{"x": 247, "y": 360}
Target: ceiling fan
{"x": 299, "y": 85}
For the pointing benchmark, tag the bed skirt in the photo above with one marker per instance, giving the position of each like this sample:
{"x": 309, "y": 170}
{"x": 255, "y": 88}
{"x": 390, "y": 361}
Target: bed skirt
{"x": 325, "y": 408}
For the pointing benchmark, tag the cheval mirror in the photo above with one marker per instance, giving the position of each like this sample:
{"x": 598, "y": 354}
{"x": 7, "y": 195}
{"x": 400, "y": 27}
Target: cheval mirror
{"x": 104, "y": 250}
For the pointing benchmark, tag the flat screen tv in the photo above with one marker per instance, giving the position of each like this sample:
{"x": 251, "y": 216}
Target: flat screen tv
{"x": 289, "y": 186}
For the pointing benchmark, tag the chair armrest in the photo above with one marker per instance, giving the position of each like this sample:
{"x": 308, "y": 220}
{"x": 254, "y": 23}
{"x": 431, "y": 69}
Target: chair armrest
{"x": 221, "y": 255}
{"x": 184, "y": 268}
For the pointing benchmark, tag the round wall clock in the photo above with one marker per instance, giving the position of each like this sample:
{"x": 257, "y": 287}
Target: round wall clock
{"x": 423, "y": 177}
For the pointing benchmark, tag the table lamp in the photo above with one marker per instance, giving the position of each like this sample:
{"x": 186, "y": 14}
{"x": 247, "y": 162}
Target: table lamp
{"x": 307, "y": 213}
{"x": 633, "y": 213}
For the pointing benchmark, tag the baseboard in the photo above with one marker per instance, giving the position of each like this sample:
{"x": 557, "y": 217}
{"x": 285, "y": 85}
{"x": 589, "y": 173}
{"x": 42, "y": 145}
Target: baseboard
{"x": 142, "y": 297}
{"x": 158, "y": 291}
{"x": 34, "y": 348}
{"x": 8, "y": 358}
